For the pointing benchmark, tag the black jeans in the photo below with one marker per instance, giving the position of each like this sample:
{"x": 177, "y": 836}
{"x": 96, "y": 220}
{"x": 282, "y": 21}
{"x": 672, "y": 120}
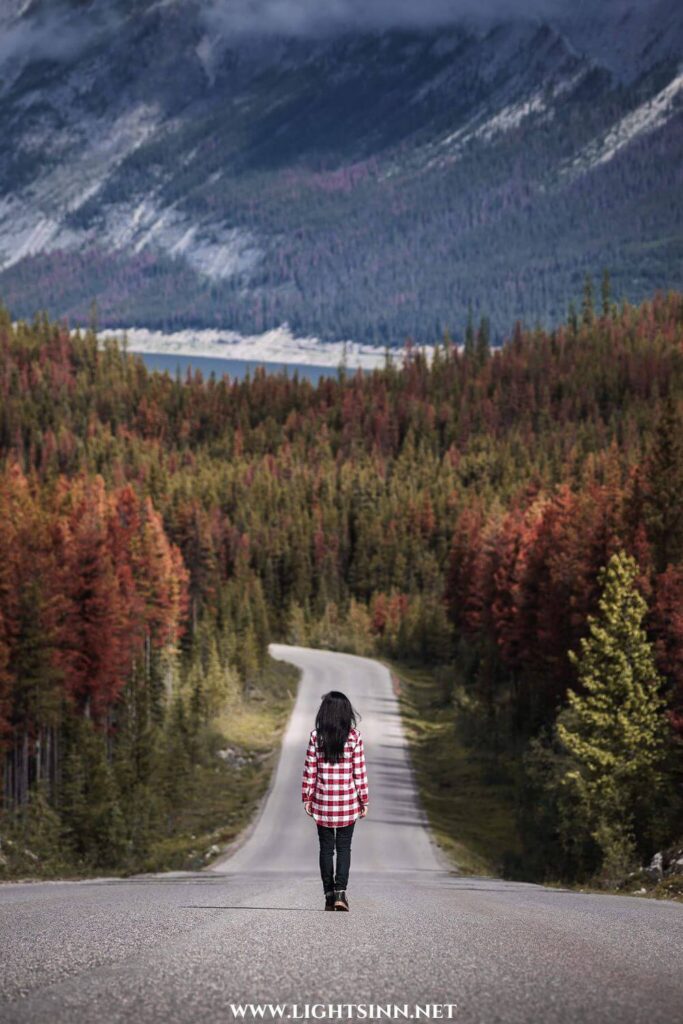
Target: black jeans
{"x": 329, "y": 839}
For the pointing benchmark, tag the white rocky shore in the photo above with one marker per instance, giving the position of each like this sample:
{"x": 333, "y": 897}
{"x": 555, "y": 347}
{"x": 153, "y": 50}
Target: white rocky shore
{"x": 275, "y": 346}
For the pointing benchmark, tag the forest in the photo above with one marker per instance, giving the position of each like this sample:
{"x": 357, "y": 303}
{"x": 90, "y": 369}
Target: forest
{"x": 509, "y": 517}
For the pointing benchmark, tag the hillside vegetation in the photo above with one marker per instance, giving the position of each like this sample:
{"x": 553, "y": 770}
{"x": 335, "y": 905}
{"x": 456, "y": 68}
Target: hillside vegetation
{"x": 508, "y": 521}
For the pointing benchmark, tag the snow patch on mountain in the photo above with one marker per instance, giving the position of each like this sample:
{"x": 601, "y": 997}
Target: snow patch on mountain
{"x": 35, "y": 220}
{"x": 216, "y": 250}
{"x": 69, "y": 185}
{"x": 507, "y": 119}
{"x": 652, "y": 114}
{"x": 24, "y": 231}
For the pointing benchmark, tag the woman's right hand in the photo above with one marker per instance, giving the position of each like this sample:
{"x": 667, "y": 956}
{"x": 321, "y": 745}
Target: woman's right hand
{"x": 363, "y": 810}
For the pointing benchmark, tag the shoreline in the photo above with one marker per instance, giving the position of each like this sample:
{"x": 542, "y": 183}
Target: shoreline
{"x": 278, "y": 346}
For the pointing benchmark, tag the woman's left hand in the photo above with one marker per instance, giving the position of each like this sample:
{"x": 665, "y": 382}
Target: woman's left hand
{"x": 308, "y": 807}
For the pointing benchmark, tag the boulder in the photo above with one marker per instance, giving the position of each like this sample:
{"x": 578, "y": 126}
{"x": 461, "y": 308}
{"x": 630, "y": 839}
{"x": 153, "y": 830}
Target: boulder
{"x": 655, "y": 869}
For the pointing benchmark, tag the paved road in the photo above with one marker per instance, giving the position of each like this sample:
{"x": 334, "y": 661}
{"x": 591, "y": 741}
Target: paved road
{"x": 393, "y": 836}
{"x": 183, "y": 947}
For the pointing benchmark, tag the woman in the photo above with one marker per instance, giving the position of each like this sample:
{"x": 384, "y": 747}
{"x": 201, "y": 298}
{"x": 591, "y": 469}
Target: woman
{"x": 335, "y": 790}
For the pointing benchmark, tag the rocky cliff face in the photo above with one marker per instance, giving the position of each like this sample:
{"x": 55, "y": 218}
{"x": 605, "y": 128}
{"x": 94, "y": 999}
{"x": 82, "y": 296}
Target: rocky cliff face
{"x": 354, "y": 184}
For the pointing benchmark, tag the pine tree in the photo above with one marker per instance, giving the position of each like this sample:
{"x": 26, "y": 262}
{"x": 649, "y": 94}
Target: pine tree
{"x": 606, "y": 293}
{"x": 483, "y": 343}
{"x": 587, "y": 307}
{"x": 573, "y": 319}
{"x": 297, "y": 627}
{"x": 220, "y": 684}
{"x": 342, "y": 365}
{"x": 613, "y": 730}
{"x": 176, "y": 767}
{"x": 89, "y": 805}
{"x": 93, "y": 322}
{"x": 664, "y": 487}
{"x": 469, "y": 333}
{"x": 136, "y": 759}
{"x": 41, "y": 830}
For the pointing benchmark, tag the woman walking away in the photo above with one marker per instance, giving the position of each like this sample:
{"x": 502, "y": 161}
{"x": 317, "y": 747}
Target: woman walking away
{"x": 335, "y": 790}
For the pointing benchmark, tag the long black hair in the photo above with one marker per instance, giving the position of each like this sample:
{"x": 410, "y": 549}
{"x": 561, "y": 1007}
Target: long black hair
{"x": 333, "y": 723}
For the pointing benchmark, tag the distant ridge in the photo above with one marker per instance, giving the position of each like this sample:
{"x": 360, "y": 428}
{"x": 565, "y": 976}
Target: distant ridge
{"x": 367, "y": 185}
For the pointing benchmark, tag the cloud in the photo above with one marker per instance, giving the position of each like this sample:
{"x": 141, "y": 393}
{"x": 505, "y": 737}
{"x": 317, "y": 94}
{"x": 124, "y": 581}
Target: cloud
{"x": 58, "y": 33}
{"x": 62, "y": 29}
{"x": 309, "y": 17}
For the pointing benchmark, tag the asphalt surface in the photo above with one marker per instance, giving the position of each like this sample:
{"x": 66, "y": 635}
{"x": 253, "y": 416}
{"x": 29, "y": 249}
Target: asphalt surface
{"x": 185, "y": 947}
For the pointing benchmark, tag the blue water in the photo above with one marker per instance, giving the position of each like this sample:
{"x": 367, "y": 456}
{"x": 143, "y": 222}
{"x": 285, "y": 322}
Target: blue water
{"x": 235, "y": 368}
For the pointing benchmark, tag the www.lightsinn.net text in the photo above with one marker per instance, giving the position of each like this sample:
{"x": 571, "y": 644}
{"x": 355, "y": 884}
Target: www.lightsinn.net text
{"x": 343, "y": 1011}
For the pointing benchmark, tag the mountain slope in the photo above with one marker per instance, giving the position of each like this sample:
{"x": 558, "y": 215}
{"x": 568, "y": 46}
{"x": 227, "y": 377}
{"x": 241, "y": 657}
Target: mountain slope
{"x": 366, "y": 185}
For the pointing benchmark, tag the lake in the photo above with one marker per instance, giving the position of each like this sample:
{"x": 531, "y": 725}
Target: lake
{"x": 235, "y": 368}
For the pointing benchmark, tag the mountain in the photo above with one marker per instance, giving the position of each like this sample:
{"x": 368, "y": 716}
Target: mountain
{"x": 184, "y": 172}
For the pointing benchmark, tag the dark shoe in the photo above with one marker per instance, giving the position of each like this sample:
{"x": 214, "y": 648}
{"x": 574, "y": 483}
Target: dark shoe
{"x": 329, "y": 900}
{"x": 340, "y": 901}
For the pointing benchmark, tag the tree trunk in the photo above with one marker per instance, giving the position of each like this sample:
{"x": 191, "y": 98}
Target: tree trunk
{"x": 24, "y": 769}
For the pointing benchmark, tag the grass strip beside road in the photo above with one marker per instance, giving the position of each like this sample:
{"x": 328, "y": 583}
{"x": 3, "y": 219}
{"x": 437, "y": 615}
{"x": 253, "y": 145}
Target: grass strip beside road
{"x": 242, "y": 750}
{"x": 469, "y": 802}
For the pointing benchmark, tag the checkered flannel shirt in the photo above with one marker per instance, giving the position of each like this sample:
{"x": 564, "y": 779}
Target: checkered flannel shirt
{"x": 337, "y": 790}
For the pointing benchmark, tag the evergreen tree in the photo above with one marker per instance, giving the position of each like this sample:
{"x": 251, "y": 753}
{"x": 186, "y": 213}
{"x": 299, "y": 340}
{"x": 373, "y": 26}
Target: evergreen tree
{"x": 176, "y": 766}
{"x": 41, "y": 830}
{"x": 136, "y": 762}
{"x": 89, "y": 804}
{"x": 613, "y": 731}
{"x": 220, "y": 684}
{"x": 573, "y": 319}
{"x": 664, "y": 487}
{"x": 483, "y": 343}
{"x": 587, "y": 306}
{"x": 297, "y": 627}
{"x": 606, "y": 293}
{"x": 470, "y": 347}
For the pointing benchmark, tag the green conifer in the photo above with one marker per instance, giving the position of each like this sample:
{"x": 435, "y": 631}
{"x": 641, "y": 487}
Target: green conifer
{"x": 664, "y": 491}
{"x": 613, "y": 730}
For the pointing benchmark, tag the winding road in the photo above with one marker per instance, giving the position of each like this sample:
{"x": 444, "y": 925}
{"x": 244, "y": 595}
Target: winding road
{"x": 185, "y": 947}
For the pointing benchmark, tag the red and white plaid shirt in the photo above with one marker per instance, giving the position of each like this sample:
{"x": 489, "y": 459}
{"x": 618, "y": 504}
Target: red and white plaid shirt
{"x": 337, "y": 790}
